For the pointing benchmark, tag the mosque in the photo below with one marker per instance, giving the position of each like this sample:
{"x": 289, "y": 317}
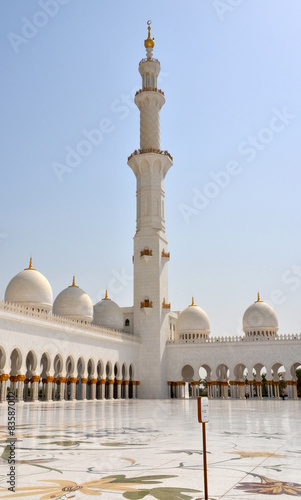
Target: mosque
{"x": 68, "y": 349}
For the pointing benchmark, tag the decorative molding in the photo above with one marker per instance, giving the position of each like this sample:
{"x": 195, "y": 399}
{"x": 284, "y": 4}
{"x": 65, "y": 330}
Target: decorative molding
{"x": 222, "y": 340}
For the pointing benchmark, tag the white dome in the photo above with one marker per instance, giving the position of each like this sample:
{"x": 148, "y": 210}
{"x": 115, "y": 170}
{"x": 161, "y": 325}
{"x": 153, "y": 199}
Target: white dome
{"x": 108, "y": 314}
{"x": 73, "y": 303}
{"x": 30, "y": 288}
{"x": 193, "y": 320}
{"x": 260, "y": 317}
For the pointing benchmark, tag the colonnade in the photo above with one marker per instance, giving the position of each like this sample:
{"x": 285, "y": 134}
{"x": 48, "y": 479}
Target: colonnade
{"x": 60, "y": 388}
{"x": 234, "y": 389}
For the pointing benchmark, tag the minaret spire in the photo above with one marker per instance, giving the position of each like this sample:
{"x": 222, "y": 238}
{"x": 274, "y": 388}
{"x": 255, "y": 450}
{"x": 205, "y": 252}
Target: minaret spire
{"x": 149, "y": 43}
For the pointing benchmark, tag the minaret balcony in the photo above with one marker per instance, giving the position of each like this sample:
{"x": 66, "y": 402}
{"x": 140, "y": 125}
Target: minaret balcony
{"x": 165, "y": 255}
{"x": 153, "y": 59}
{"x": 165, "y": 305}
{"x": 146, "y": 306}
{"x": 146, "y": 255}
{"x": 150, "y": 150}
{"x": 146, "y": 251}
{"x": 146, "y": 303}
{"x": 149, "y": 89}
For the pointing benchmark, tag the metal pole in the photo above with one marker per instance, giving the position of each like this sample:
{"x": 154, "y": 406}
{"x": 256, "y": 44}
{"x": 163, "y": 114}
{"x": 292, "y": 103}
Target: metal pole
{"x": 205, "y": 461}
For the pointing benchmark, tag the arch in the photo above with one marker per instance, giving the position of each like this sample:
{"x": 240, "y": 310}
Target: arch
{"x": 70, "y": 366}
{"x": 124, "y": 374}
{"x": 45, "y": 364}
{"x": 109, "y": 370}
{"x": 109, "y": 373}
{"x": 124, "y": 371}
{"x": 295, "y": 366}
{"x": 117, "y": 370}
{"x": 127, "y": 322}
{"x": 31, "y": 364}
{"x": 16, "y": 361}
{"x": 222, "y": 372}
{"x": 91, "y": 368}
{"x": 2, "y": 359}
{"x": 204, "y": 373}
{"x": 58, "y": 365}
{"x": 81, "y": 365}
{"x": 116, "y": 378}
{"x": 187, "y": 373}
{"x": 131, "y": 378}
{"x": 240, "y": 372}
{"x": 100, "y": 369}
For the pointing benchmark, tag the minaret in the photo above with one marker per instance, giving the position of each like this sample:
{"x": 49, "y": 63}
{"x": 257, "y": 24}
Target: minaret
{"x": 150, "y": 165}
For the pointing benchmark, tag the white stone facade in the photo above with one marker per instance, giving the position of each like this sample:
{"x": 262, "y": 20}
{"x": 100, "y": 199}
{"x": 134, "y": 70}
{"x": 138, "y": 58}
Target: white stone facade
{"x": 145, "y": 350}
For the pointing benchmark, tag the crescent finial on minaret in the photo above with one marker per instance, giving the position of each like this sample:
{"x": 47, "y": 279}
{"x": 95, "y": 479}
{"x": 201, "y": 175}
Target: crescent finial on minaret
{"x": 149, "y": 43}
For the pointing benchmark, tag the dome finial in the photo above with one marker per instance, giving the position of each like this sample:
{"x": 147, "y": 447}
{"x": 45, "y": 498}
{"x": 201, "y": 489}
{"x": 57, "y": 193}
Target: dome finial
{"x": 149, "y": 43}
{"x": 73, "y": 283}
{"x": 106, "y": 296}
{"x": 258, "y": 298}
{"x": 30, "y": 268}
{"x": 192, "y": 302}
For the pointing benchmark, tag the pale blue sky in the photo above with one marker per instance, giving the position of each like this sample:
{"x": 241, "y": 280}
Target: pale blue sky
{"x": 232, "y": 80}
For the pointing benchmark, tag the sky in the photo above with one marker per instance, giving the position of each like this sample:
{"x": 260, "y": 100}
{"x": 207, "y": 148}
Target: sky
{"x": 230, "y": 71}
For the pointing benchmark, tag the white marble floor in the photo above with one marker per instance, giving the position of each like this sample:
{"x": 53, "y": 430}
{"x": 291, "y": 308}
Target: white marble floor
{"x": 153, "y": 449}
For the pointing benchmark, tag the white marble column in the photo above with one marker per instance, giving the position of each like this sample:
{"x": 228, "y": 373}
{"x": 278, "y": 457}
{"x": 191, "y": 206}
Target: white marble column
{"x": 84, "y": 389}
{"x": 49, "y": 388}
{"x": 118, "y": 392}
{"x": 20, "y": 393}
{"x": 93, "y": 383}
{"x": 126, "y": 389}
{"x": 3, "y": 378}
{"x": 111, "y": 389}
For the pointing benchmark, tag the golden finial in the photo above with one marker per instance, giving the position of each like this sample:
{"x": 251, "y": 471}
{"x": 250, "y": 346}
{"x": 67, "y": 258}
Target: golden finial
{"x": 30, "y": 268}
{"x": 192, "y": 302}
{"x": 258, "y": 298}
{"x": 73, "y": 283}
{"x": 149, "y": 42}
{"x": 106, "y": 296}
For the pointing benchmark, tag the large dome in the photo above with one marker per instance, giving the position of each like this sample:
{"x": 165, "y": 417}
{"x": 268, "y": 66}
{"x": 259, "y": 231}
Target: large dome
{"x": 73, "y": 303}
{"x": 108, "y": 314}
{"x": 260, "y": 319}
{"x": 193, "y": 323}
{"x": 30, "y": 288}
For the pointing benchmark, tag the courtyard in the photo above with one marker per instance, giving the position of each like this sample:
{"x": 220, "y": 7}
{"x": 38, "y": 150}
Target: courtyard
{"x": 153, "y": 449}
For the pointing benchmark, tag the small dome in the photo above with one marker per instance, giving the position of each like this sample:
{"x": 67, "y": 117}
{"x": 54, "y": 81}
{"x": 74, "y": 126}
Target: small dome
{"x": 108, "y": 314}
{"x": 260, "y": 317}
{"x": 30, "y": 288}
{"x": 73, "y": 303}
{"x": 193, "y": 320}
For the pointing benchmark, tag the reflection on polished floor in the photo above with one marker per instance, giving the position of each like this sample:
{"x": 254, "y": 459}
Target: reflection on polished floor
{"x": 153, "y": 449}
